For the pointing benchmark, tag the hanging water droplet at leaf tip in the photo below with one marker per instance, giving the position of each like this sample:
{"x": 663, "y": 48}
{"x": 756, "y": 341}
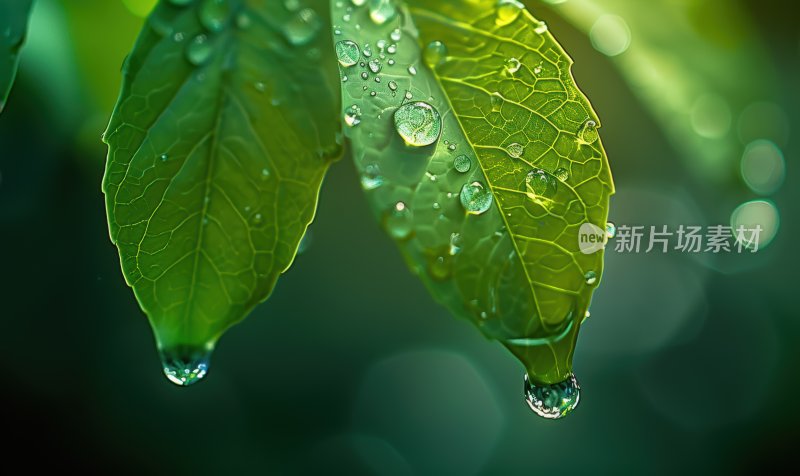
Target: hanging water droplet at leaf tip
{"x": 186, "y": 365}
{"x": 553, "y": 401}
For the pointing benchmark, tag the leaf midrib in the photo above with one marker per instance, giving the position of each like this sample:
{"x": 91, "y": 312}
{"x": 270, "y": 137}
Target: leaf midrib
{"x": 474, "y": 147}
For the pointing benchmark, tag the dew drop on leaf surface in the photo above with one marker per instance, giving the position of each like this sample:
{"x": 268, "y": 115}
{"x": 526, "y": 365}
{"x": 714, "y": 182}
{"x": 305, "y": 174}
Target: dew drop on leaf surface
{"x": 214, "y": 14}
{"x": 476, "y": 198}
{"x": 540, "y": 185}
{"x": 435, "y": 53}
{"x": 381, "y": 11}
{"x": 199, "y": 50}
{"x": 348, "y": 52}
{"x": 462, "y": 163}
{"x": 418, "y": 123}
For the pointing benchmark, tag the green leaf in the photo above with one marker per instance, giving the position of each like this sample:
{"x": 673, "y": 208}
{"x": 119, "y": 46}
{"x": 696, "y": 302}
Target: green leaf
{"x": 13, "y": 25}
{"x": 226, "y": 124}
{"x": 488, "y": 215}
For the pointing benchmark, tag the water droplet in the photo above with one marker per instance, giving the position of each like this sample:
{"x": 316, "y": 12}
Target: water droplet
{"x": 184, "y": 365}
{"x": 540, "y": 28}
{"x": 399, "y": 221}
{"x": 178, "y": 37}
{"x": 305, "y": 242}
{"x": 391, "y": 62}
{"x": 260, "y": 86}
{"x": 462, "y": 163}
{"x": 348, "y": 52}
{"x": 358, "y": 3}
{"x": 540, "y": 185}
{"x": 214, "y": 14}
{"x": 291, "y": 5}
{"x": 371, "y": 178}
{"x": 409, "y": 95}
{"x": 435, "y": 53}
{"x": 257, "y": 219}
{"x": 561, "y": 174}
{"x": 392, "y": 49}
{"x": 591, "y": 277}
{"x": 611, "y": 230}
{"x": 381, "y": 11}
{"x": 512, "y": 65}
{"x": 374, "y": 66}
{"x": 365, "y": 76}
{"x": 537, "y": 70}
{"x": 476, "y": 198}
{"x": 352, "y": 116}
{"x": 497, "y": 102}
{"x": 456, "y": 241}
{"x": 393, "y": 85}
{"x": 164, "y": 157}
{"x": 396, "y": 34}
{"x": 303, "y": 27}
{"x": 508, "y": 11}
{"x": 265, "y": 174}
{"x": 412, "y": 71}
{"x": 418, "y": 123}
{"x": 515, "y": 150}
{"x": 440, "y": 267}
{"x": 552, "y": 401}
{"x": 588, "y": 132}
{"x": 199, "y": 50}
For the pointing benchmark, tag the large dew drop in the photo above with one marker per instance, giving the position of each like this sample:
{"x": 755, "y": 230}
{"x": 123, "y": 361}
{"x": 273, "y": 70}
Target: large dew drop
{"x": 381, "y": 11}
{"x": 186, "y": 365}
{"x": 418, "y": 123}
{"x": 476, "y": 198}
{"x": 347, "y": 52}
{"x": 553, "y": 401}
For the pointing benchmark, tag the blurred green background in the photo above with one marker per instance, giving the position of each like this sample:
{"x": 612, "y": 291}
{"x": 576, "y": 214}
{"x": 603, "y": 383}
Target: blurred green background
{"x": 687, "y": 363}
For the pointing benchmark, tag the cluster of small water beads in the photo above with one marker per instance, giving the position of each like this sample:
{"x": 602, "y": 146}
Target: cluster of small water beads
{"x": 300, "y": 29}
